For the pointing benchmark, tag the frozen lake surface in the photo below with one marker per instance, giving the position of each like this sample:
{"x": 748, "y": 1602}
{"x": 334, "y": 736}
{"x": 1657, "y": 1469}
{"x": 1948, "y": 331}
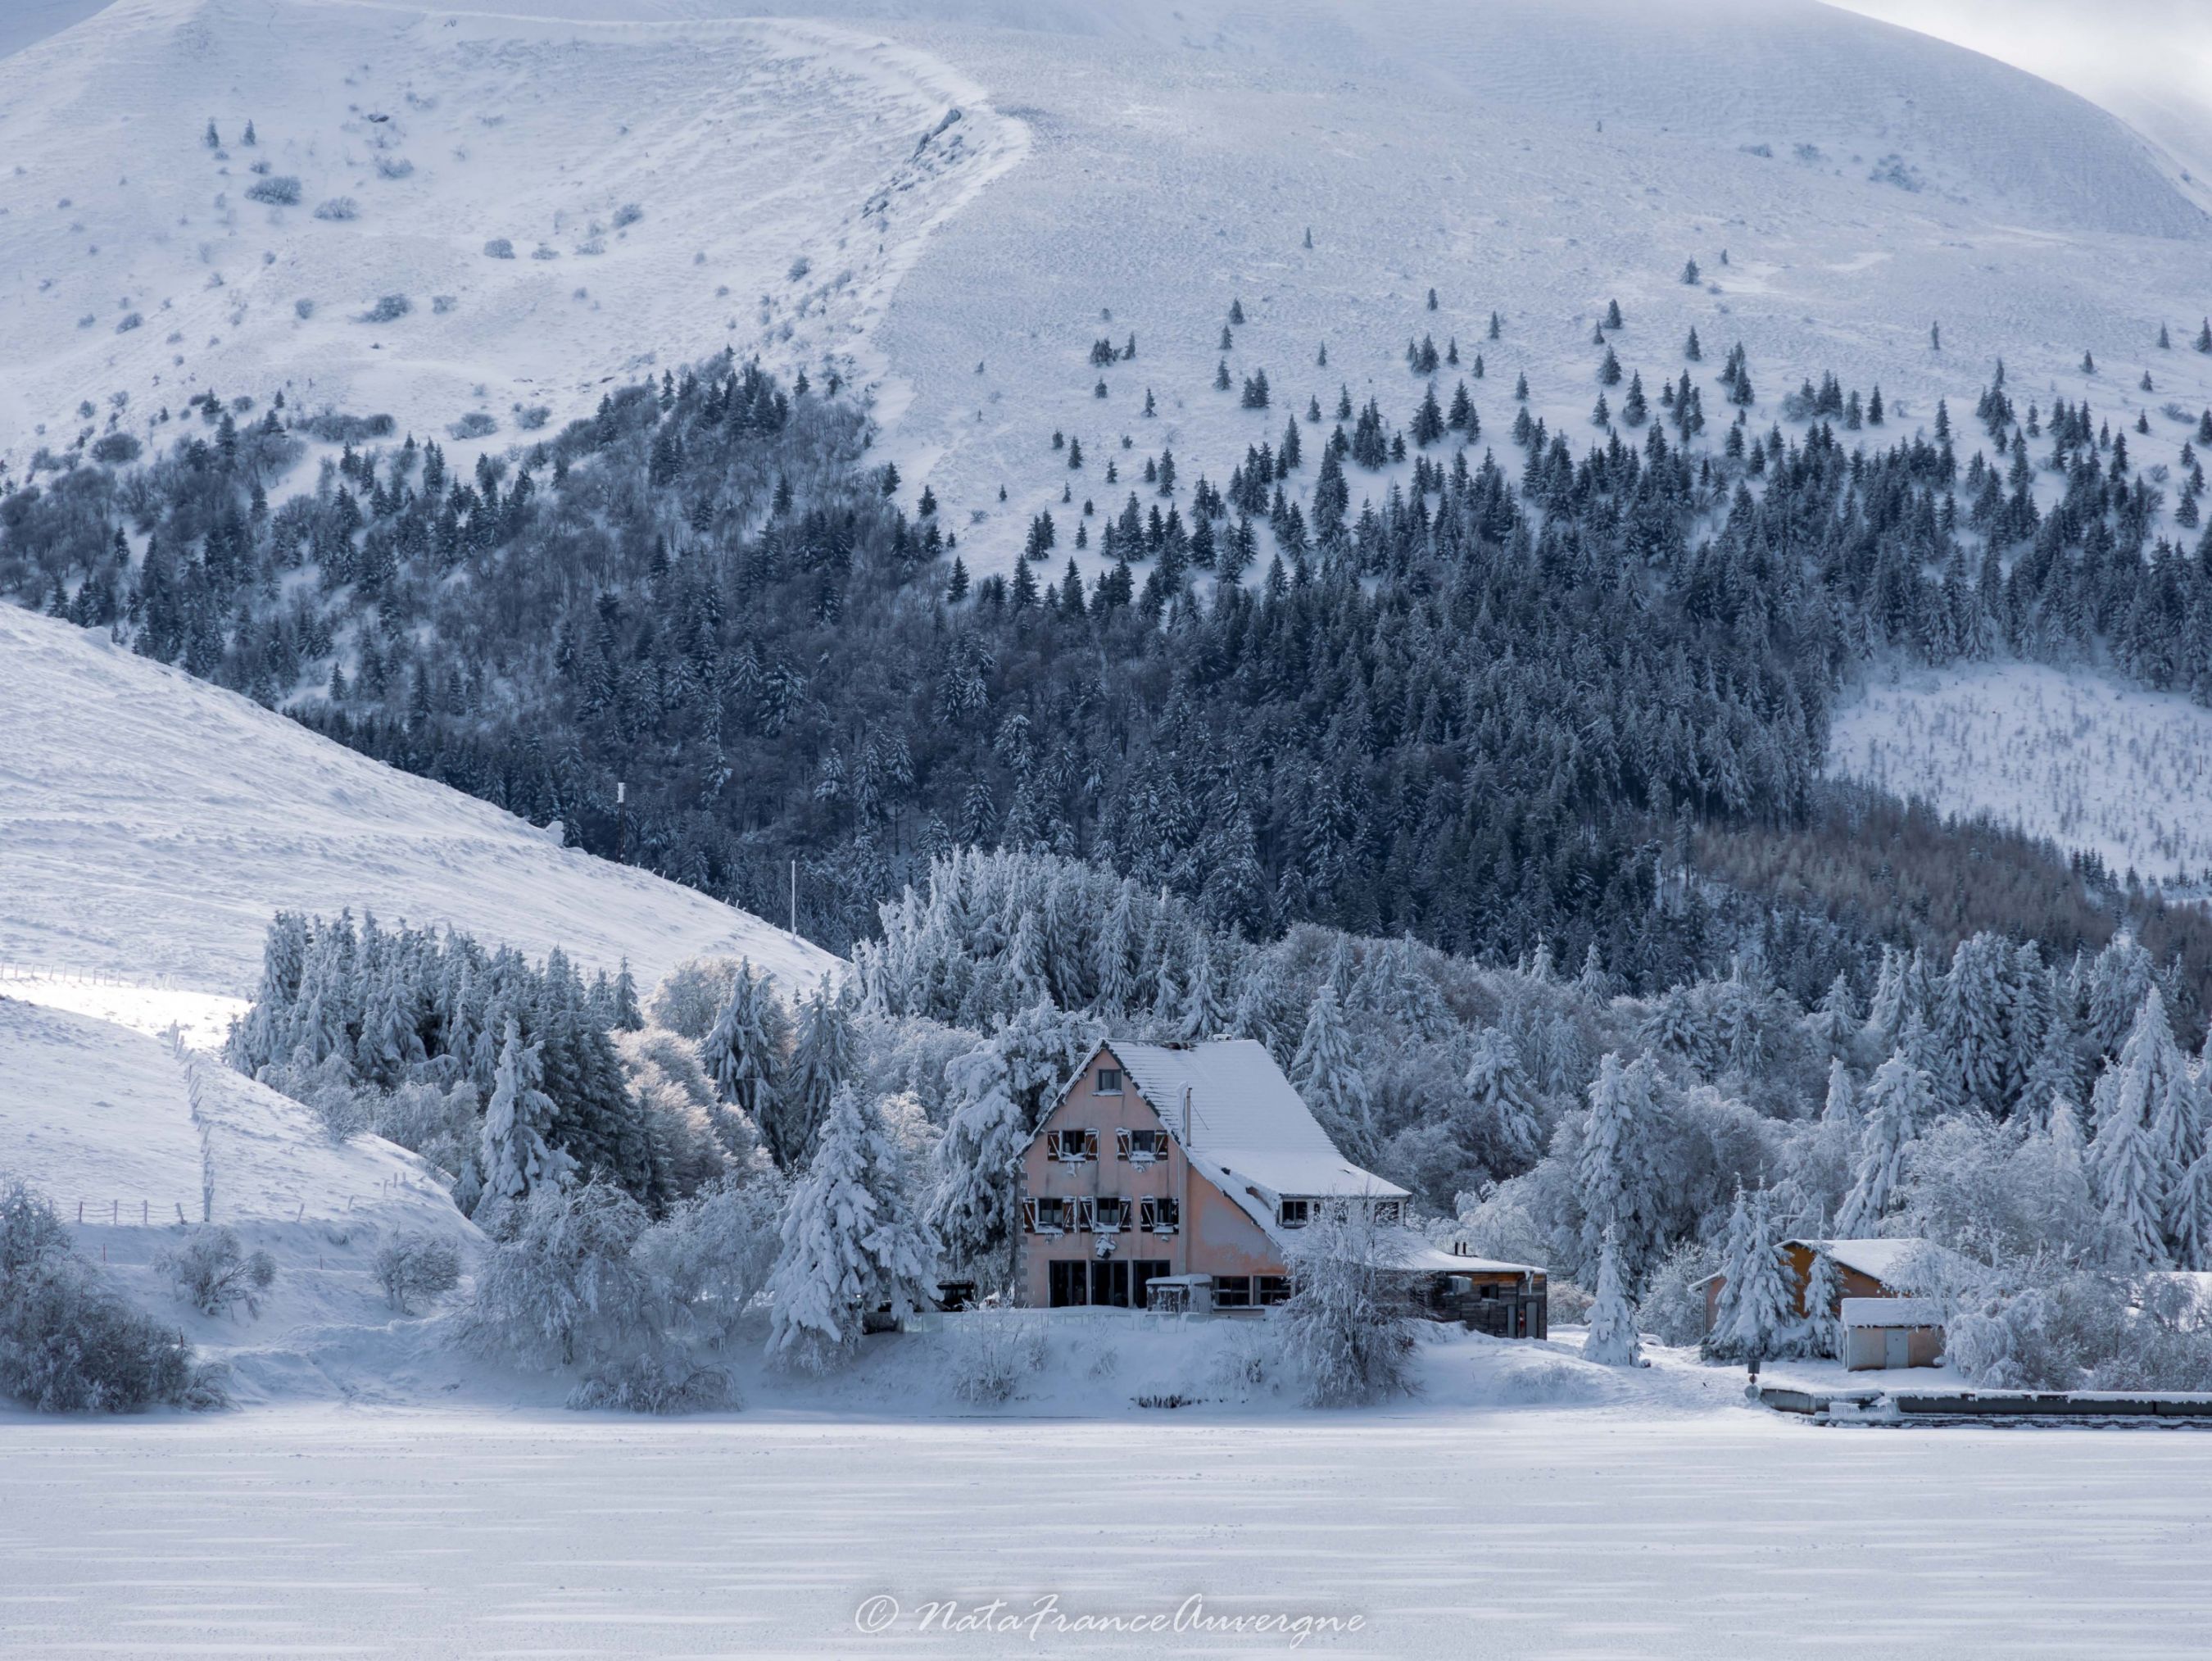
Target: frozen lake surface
{"x": 1530, "y": 1532}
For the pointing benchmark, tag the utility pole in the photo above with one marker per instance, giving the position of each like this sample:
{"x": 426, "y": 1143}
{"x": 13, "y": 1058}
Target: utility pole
{"x": 622, "y": 822}
{"x": 795, "y": 897}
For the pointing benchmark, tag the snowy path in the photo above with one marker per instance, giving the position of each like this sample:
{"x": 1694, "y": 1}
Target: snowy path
{"x": 1527, "y": 1533}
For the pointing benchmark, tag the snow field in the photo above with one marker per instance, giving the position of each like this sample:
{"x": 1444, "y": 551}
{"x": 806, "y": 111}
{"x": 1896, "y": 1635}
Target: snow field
{"x": 150, "y": 826}
{"x": 2095, "y": 766}
{"x": 1531, "y": 1533}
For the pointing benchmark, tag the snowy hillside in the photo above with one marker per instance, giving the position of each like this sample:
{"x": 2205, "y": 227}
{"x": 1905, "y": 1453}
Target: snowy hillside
{"x": 1535, "y": 159}
{"x": 2094, "y": 766}
{"x": 131, "y": 1138}
{"x": 151, "y": 824}
{"x": 446, "y": 217}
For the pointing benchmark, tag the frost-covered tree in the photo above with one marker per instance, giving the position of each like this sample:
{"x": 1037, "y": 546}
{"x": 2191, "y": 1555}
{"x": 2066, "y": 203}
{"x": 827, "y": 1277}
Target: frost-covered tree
{"x": 1897, "y": 1104}
{"x": 513, "y": 1158}
{"x": 1977, "y": 999}
{"x": 1758, "y": 1307}
{"x": 2131, "y": 1165}
{"x": 1613, "y": 1337}
{"x": 1345, "y": 1328}
{"x": 1501, "y": 1098}
{"x": 1824, "y": 1290}
{"x": 1616, "y": 1171}
{"x": 971, "y": 1203}
{"x": 848, "y": 1248}
{"x": 1328, "y": 1079}
{"x": 744, "y": 1055}
{"x": 822, "y": 1058}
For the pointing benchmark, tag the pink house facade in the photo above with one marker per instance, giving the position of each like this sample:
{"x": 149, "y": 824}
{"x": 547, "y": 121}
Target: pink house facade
{"x": 1169, "y": 1160}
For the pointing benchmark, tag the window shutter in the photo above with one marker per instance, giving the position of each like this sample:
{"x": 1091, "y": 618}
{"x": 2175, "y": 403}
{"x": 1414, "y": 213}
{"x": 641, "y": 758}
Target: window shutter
{"x": 1030, "y": 1216}
{"x": 1081, "y": 1221}
{"x": 1121, "y": 1142}
{"x": 1090, "y": 1143}
{"x": 1146, "y": 1213}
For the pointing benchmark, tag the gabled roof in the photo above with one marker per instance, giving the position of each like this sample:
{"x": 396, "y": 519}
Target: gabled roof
{"x": 1880, "y": 1260}
{"x": 1249, "y": 1126}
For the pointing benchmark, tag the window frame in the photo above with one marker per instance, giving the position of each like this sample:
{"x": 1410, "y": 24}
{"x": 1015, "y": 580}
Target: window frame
{"x": 1109, "y": 1082}
{"x": 1303, "y": 1217}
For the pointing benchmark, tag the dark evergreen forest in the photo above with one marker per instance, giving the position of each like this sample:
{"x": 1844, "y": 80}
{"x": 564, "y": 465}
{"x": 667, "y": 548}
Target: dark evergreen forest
{"x": 1581, "y": 698}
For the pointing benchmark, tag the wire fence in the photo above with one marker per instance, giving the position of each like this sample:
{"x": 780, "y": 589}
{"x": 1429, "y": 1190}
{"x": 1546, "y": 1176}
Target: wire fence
{"x": 49, "y": 972}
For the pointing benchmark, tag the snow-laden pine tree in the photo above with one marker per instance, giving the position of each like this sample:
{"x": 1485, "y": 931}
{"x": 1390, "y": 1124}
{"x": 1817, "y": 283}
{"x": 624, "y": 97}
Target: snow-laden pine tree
{"x": 1615, "y": 1169}
{"x": 1897, "y": 1104}
{"x": 744, "y": 1055}
{"x": 2132, "y": 1168}
{"x": 821, "y": 1058}
{"x": 1329, "y": 1078}
{"x": 1118, "y": 940}
{"x": 1205, "y": 1014}
{"x": 848, "y": 1248}
{"x": 513, "y": 1156}
{"x": 1502, "y": 1099}
{"x": 1824, "y": 1290}
{"x": 971, "y": 1204}
{"x": 1836, "y": 1017}
{"x": 1734, "y": 1260}
{"x": 1765, "y": 1304}
{"x": 1613, "y": 1337}
{"x": 1976, "y": 1000}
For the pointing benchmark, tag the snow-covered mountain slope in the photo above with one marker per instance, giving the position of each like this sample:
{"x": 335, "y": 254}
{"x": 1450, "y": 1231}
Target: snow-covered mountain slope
{"x": 2092, "y": 765}
{"x": 1536, "y": 159}
{"x": 555, "y": 204}
{"x": 1842, "y": 184}
{"x": 150, "y": 824}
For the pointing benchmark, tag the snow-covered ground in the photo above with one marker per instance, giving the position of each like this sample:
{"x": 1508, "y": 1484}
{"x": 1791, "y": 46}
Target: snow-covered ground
{"x": 1529, "y": 1532}
{"x": 663, "y": 189}
{"x": 2067, "y": 754}
{"x": 150, "y": 826}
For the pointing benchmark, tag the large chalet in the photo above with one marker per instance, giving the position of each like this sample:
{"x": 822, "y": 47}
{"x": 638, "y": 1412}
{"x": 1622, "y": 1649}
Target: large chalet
{"x": 1194, "y": 1166}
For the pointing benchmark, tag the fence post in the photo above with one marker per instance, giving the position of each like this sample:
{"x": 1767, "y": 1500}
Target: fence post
{"x": 80, "y": 1213}
{"x": 114, "y": 1212}
{"x": 142, "y": 1205}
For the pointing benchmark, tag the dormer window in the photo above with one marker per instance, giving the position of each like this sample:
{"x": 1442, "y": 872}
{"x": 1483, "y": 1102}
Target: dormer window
{"x": 1109, "y": 1081}
{"x": 1073, "y": 1147}
{"x": 1295, "y": 1213}
{"x": 1390, "y": 1211}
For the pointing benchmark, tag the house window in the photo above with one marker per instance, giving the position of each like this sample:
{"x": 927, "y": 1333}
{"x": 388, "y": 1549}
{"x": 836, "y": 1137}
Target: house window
{"x": 1142, "y": 1146}
{"x": 1074, "y": 1145}
{"x": 1109, "y": 1214}
{"x": 1267, "y": 1289}
{"x": 1390, "y": 1211}
{"x": 1295, "y": 1213}
{"x": 1232, "y": 1292}
{"x": 1162, "y": 1213}
{"x": 1047, "y": 1216}
{"x": 1109, "y": 1081}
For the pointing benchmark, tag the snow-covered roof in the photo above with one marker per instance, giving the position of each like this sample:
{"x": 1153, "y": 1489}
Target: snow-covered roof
{"x": 1892, "y": 1313}
{"x": 1881, "y": 1259}
{"x": 1249, "y": 1126}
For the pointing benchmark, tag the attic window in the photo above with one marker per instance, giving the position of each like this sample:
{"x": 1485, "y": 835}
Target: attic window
{"x": 1390, "y": 1211}
{"x": 1109, "y": 1081}
{"x": 1295, "y": 1213}
{"x": 1142, "y": 1146}
{"x": 1074, "y": 1146}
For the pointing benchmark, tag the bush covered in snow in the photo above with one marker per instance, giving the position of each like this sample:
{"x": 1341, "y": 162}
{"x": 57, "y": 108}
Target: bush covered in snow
{"x": 215, "y": 1272}
{"x": 475, "y": 424}
{"x": 994, "y": 1351}
{"x": 499, "y": 247}
{"x": 338, "y": 208}
{"x": 389, "y": 309}
{"x": 69, "y": 1342}
{"x": 116, "y": 449}
{"x": 418, "y": 1266}
{"x": 559, "y": 1287}
{"x": 2033, "y": 1330}
{"x": 279, "y": 191}
{"x": 1344, "y": 1329}
{"x": 658, "y": 1381}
